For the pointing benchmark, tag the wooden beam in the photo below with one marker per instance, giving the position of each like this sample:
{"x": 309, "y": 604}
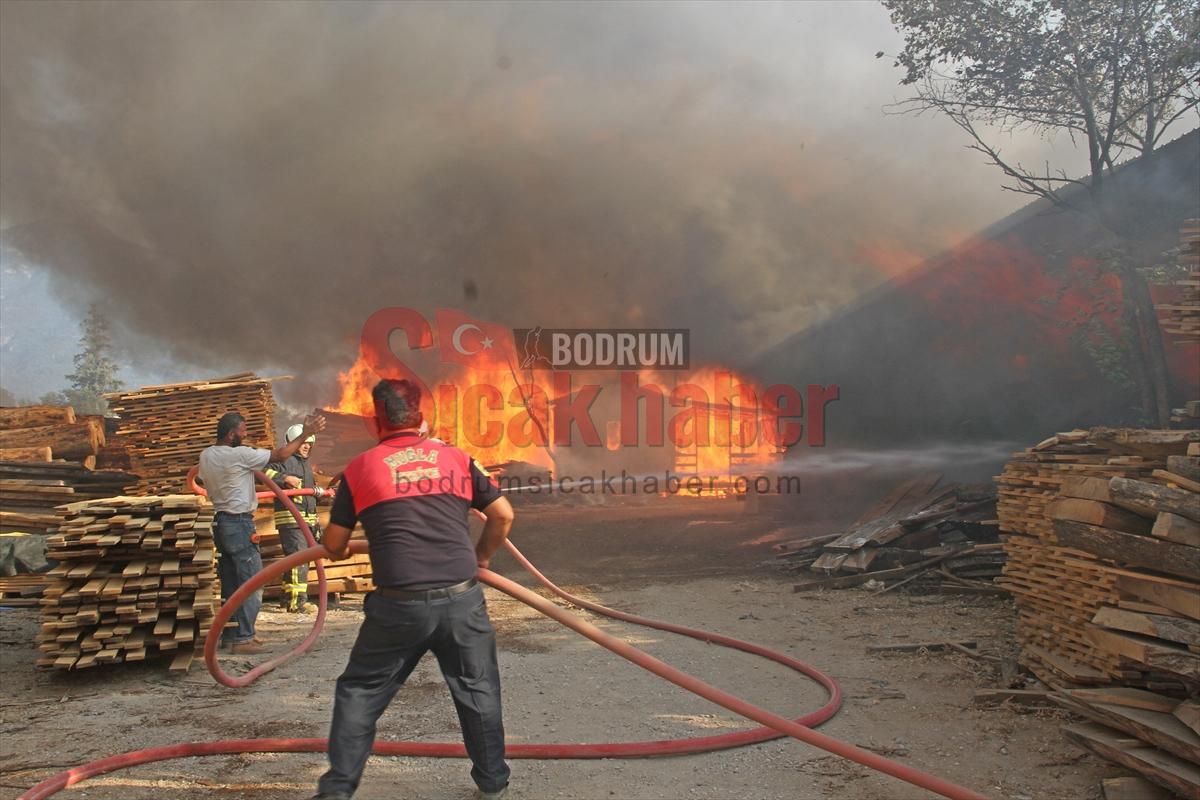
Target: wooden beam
{"x": 1148, "y": 499}
{"x": 1129, "y": 548}
{"x": 35, "y": 416}
{"x": 1094, "y": 512}
{"x": 1175, "y": 629}
{"x": 1180, "y": 596}
{"x": 1175, "y": 528}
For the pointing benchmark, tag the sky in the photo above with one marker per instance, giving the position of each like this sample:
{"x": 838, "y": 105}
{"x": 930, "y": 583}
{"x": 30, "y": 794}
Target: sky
{"x": 239, "y": 186}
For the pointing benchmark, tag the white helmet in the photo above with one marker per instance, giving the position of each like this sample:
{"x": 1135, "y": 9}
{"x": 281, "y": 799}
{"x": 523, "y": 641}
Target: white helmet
{"x": 294, "y": 432}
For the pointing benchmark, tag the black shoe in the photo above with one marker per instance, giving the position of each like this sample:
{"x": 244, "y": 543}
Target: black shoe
{"x": 496, "y": 795}
{"x": 328, "y": 796}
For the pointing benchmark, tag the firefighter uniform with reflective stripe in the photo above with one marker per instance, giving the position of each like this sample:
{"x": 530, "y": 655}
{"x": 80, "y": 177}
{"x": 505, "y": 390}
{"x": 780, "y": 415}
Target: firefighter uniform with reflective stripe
{"x": 295, "y": 580}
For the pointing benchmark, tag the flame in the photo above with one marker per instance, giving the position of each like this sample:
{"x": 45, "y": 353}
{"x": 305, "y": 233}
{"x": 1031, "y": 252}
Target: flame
{"x": 726, "y": 439}
{"x": 714, "y": 439}
{"x": 456, "y": 402}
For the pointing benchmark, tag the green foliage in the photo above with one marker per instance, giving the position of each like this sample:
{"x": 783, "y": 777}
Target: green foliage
{"x": 95, "y": 373}
{"x": 1112, "y": 73}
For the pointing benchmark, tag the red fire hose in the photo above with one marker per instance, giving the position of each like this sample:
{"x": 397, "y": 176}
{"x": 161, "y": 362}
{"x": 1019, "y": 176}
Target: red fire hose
{"x": 774, "y": 725}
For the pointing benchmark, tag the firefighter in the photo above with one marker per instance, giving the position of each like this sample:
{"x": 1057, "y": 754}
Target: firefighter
{"x": 296, "y": 472}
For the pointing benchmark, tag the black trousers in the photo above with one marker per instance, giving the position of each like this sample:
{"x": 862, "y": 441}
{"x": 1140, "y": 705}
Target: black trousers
{"x": 394, "y": 636}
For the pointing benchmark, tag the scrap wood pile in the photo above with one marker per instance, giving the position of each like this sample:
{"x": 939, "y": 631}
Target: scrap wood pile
{"x": 1102, "y": 531}
{"x": 1182, "y": 317}
{"x": 135, "y": 579}
{"x": 918, "y": 532}
{"x": 1155, "y": 736}
{"x": 167, "y": 426}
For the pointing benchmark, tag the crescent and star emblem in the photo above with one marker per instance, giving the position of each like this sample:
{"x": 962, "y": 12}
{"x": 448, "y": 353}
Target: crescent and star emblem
{"x": 456, "y": 339}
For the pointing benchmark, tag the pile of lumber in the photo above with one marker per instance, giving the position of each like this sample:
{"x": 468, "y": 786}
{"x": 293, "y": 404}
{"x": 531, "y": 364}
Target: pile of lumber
{"x": 918, "y": 531}
{"x": 350, "y": 576}
{"x": 43, "y": 433}
{"x": 1155, "y": 736}
{"x": 167, "y": 426}
{"x": 30, "y": 491}
{"x": 1182, "y": 317}
{"x": 344, "y": 437}
{"x": 135, "y": 579}
{"x": 1102, "y": 532}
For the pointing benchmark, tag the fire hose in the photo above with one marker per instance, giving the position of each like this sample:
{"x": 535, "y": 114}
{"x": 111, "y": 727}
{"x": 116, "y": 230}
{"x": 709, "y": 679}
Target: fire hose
{"x": 774, "y": 725}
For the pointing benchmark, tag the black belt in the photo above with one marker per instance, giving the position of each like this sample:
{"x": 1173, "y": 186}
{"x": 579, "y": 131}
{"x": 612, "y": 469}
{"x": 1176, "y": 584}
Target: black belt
{"x": 234, "y": 514}
{"x": 428, "y": 594}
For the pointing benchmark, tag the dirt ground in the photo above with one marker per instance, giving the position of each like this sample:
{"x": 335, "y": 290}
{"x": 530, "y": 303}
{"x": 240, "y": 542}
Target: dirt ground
{"x": 697, "y": 562}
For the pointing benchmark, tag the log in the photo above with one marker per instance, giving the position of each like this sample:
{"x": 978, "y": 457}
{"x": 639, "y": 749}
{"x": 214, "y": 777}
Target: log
{"x": 1177, "y": 481}
{"x": 1097, "y": 513}
{"x": 35, "y": 416}
{"x": 1175, "y": 528}
{"x": 1086, "y": 489}
{"x": 1128, "y": 548}
{"x": 25, "y": 453}
{"x": 1185, "y": 466}
{"x": 1151, "y": 652}
{"x": 1148, "y": 499}
{"x": 72, "y": 441}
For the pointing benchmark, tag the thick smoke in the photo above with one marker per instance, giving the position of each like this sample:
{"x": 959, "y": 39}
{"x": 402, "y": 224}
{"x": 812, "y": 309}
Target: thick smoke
{"x": 242, "y": 184}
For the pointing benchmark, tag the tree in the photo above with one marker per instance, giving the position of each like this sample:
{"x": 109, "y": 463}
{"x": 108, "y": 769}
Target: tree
{"x": 95, "y": 373}
{"x": 1112, "y": 74}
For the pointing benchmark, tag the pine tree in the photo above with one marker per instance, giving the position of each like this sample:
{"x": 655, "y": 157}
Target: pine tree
{"x": 95, "y": 373}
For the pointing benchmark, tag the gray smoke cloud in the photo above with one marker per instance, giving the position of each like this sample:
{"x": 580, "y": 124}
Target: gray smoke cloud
{"x": 241, "y": 184}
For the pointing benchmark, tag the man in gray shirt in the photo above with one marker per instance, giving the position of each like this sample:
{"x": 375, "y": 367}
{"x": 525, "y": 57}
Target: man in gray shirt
{"x": 227, "y": 471}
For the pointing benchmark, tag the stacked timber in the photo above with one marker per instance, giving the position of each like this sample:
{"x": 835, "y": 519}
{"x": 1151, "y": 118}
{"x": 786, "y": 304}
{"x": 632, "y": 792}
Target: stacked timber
{"x": 917, "y": 531}
{"x": 135, "y": 580}
{"x": 1182, "y": 316}
{"x": 31, "y": 490}
{"x": 167, "y": 426}
{"x": 27, "y": 431}
{"x": 352, "y": 575}
{"x": 1099, "y": 535}
{"x": 344, "y": 437}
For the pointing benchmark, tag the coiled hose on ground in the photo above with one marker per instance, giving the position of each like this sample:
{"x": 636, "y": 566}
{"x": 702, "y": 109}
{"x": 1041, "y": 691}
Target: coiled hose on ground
{"x": 774, "y": 725}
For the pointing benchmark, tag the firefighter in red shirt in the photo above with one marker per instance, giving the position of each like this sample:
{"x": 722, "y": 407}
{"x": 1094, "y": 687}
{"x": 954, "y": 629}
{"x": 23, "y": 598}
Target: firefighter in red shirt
{"x": 413, "y": 495}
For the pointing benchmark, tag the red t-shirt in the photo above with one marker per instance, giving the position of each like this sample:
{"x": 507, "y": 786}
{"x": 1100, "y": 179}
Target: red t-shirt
{"x": 412, "y": 495}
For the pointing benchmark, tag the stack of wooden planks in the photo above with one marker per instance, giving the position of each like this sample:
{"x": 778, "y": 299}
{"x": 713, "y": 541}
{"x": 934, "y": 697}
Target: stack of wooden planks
{"x": 1155, "y": 736}
{"x": 167, "y": 426}
{"x": 135, "y": 579}
{"x": 30, "y": 491}
{"x": 351, "y": 576}
{"x": 915, "y": 530}
{"x": 1182, "y": 317}
{"x": 344, "y": 437}
{"x": 1103, "y": 545}
{"x": 42, "y": 433}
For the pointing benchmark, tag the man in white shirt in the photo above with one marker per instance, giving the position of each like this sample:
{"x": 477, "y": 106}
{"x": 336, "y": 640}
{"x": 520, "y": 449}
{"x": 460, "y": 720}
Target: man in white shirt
{"x": 227, "y": 471}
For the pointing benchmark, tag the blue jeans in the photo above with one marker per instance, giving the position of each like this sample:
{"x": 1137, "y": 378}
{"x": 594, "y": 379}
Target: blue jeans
{"x": 239, "y": 562}
{"x": 394, "y": 636}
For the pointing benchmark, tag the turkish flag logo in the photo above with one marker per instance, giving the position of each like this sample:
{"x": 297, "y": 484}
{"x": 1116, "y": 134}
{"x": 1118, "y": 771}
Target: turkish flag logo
{"x": 474, "y": 343}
